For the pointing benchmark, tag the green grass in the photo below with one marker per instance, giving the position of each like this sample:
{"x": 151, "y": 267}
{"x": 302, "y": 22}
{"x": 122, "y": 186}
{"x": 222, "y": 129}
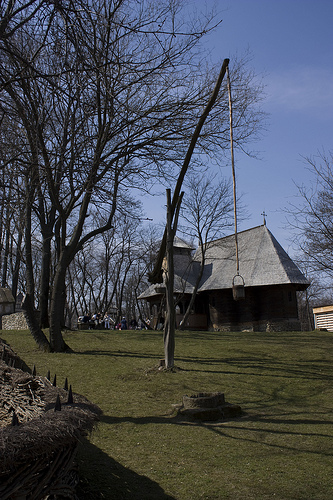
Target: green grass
{"x": 282, "y": 448}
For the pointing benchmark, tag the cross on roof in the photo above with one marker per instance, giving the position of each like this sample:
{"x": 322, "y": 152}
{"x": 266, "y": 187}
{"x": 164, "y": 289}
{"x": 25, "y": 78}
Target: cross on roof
{"x": 264, "y": 216}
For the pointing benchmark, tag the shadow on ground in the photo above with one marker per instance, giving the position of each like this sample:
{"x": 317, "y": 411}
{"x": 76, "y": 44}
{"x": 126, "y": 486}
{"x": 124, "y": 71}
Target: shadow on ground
{"x": 101, "y": 477}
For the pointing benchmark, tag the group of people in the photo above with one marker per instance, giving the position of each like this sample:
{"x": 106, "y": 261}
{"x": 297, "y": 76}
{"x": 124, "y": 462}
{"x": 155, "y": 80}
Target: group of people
{"x": 97, "y": 319}
{"x": 122, "y": 325}
{"x": 133, "y": 325}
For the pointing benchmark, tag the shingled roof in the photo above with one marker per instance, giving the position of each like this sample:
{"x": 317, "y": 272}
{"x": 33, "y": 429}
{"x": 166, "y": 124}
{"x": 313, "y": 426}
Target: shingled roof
{"x": 6, "y": 296}
{"x": 262, "y": 262}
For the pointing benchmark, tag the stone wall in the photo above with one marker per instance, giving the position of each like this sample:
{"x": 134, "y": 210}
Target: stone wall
{"x": 15, "y": 321}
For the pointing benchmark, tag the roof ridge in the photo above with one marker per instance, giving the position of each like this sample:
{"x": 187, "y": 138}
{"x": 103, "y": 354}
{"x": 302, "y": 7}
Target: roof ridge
{"x": 238, "y": 232}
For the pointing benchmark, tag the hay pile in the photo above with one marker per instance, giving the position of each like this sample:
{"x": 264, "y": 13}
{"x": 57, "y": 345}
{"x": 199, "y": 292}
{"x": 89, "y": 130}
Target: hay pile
{"x": 40, "y": 426}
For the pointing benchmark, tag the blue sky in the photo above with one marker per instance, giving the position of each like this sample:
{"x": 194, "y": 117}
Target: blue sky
{"x": 291, "y": 44}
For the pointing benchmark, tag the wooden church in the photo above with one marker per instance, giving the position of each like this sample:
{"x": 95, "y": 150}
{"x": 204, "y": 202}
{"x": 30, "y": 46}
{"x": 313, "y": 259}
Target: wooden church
{"x": 271, "y": 280}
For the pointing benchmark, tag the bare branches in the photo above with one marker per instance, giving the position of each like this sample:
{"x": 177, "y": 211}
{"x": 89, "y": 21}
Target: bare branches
{"x": 312, "y": 218}
{"x": 103, "y": 96}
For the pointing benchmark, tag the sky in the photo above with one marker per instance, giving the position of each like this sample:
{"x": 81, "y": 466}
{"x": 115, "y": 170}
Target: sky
{"x": 291, "y": 47}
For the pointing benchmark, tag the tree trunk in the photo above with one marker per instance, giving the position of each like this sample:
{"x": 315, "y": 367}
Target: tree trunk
{"x": 45, "y": 282}
{"x": 170, "y": 320}
{"x": 32, "y": 322}
{"x": 57, "y": 305}
{"x": 17, "y": 264}
{"x": 7, "y": 224}
{"x": 28, "y": 302}
{"x": 169, "y": 325}
{"x": 5, "y": 259}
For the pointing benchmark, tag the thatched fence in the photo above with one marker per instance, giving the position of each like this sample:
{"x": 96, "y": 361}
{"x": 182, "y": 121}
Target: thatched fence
{"x": 40, "y": 427}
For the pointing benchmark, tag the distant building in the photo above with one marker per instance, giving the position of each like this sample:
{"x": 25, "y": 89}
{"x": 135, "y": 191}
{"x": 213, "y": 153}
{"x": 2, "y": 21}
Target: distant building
{"x": 7, "y": 301}
{"x": 323, "y": 318}
{"x": 271, "y": 281}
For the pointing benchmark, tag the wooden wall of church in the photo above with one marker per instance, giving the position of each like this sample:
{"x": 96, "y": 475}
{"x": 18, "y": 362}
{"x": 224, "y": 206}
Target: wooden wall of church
{"x": 263, "y": 309}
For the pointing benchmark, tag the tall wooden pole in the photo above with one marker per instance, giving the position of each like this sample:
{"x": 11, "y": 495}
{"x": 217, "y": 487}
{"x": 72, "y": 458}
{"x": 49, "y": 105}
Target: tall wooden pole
{"x": 155, "y": 276}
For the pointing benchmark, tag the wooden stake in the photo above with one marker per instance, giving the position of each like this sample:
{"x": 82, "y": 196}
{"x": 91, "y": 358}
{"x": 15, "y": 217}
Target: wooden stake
{"x": 58, "y": 404}
{"x": 15, "y": 420}
{"x": 70, "y": 396}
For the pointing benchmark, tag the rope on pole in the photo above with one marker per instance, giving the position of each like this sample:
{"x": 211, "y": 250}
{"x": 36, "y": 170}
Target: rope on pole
{"x": 233, "y": 168}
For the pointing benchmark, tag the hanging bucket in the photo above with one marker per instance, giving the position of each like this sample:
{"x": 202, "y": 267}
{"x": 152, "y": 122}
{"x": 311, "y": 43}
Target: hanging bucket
{"x": 238, "y": 289}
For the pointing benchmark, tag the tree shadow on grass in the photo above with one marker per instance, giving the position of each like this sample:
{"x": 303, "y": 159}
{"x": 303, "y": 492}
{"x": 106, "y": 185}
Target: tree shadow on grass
{"x": 310, "y": 369}
{"x": 118, "y": 354}
{"x": 270, "y": 425}
{"x": 102, "y": 477}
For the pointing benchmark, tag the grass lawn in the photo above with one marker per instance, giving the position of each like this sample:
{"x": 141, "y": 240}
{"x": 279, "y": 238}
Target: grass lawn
{"x": 281, "y": 448}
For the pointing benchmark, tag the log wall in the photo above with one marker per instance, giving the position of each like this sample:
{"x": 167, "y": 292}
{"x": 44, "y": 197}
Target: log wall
{"x": 263, "y": 309}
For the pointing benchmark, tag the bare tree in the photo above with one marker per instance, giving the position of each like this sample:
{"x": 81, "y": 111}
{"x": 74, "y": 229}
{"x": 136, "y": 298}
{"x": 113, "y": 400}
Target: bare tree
{"x": 12, "y": 206}
{"x": 312, "y": 217}
{"x": 207, "y": 212}
{"x": 14, "y": 14}
{"x": 106, "y": 95}
{"x": 108, "y": 272}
